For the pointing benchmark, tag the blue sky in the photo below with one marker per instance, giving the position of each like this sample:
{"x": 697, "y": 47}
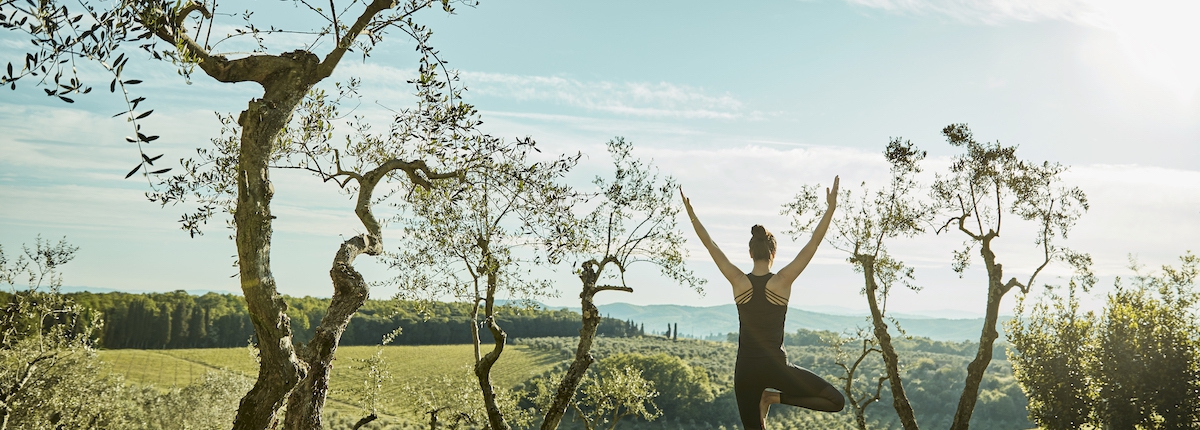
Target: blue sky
{"x": 743, "y": 103}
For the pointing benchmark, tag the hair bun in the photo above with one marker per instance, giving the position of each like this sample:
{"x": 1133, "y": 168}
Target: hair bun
{"x": 758, "y": 231}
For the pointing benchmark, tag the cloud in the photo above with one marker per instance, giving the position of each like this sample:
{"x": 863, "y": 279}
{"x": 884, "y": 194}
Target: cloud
{"x": 658, "y": 100}
{"x": 1160, "y": 38}
{"x": 44, "y": 143}
{"x": 662, "y": 100}
{"x": 991, "y": 11}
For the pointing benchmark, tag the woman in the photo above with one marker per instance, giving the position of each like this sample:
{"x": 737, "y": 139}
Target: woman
{"x": 762, "y": 299}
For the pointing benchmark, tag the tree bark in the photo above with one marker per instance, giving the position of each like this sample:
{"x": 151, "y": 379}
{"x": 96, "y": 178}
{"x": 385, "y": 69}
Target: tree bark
{"x": 483, "y": 367}
{"x": 27, "y": 374}
{"x": 583, "y": 355}
{"x": 859, "y": 406}
{"x": 483, "y": 371}
{"x": 860, "y": 420}
{"x": 890, "y": 359}
{"x": 279, "y": 367}
{"x": 350, "y": 292}
{"x": 983, "y": 357}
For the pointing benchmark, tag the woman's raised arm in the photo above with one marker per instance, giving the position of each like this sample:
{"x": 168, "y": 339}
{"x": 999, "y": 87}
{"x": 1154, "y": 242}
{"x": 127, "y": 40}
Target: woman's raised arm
{"x": 791, "y": 271}
{"x": 731, "y": 272}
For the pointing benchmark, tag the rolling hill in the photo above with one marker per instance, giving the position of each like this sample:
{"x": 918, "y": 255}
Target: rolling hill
{"x": 700, "y": 322}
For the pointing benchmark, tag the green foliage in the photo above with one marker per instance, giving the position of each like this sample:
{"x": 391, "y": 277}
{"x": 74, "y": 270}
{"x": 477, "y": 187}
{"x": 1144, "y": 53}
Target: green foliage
{"x": 49, "y": 375}
{"x": 682, "y": 389}
{"x": 616, "y": 392}
{"x": 1136, "y": 365}
{"x": 635, "y": 220}
{"x": 471, "y": 241}
{"x": 934, "y": 380}
{"x": 1148, "y": 354}
{"x": 66, "y": 386}
{"x": 1053, "y": 346}
{"x": 209, "y": 403}
{"x": 988, "y": 180}
{"x": 449, "y": 399}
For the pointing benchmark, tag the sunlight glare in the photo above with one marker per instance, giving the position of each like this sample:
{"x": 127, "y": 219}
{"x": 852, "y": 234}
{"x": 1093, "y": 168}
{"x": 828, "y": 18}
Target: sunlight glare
{"x": 1161, "y": 39}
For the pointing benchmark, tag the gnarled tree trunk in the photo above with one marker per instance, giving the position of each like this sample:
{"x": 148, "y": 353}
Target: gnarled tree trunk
{"x": 983, "y": 357}
{"x": 890, "y": 359}
{"x": 279, "y": 368}
{"x": 350, "y": 292}
{"x": 583, "y": 355}
{"x": 483, "y": 366}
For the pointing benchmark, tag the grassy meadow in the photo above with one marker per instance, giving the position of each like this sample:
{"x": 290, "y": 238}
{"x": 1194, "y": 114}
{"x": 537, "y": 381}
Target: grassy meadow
{"x": 404, "y": 365}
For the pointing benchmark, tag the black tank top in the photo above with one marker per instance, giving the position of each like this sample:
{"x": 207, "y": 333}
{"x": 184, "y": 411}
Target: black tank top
{"x": 760, "y": 322}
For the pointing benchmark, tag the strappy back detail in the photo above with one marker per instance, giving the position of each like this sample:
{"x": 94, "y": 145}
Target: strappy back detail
{"x": 775, "y": 299}
{"x": 771, "y": 296}
{"x": 744, "y": 297}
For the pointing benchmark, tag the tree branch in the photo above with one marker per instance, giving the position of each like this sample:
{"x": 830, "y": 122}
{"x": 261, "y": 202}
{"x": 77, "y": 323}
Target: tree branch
{"x": 962, "y": 226}
{"x": 254, "y": 68}
{"x": 614, "y": 288}
{"x": 587, "y": 423}
{"x": 364, "y": 421}
{"x": 331, "y": 60}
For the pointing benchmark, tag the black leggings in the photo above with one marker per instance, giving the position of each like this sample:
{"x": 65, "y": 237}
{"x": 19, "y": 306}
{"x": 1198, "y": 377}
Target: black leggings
{"x": 798, "y": 387}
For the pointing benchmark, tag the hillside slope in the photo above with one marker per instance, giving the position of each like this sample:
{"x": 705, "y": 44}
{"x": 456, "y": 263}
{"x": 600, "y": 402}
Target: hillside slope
{"x": 700, "y": 322}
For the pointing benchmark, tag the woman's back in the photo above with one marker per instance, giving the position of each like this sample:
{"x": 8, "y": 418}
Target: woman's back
{"x": 760, "y": 332}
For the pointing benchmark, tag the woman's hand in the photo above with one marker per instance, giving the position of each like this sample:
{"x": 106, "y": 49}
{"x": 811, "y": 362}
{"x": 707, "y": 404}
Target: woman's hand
{"x": 830, "y": 195}
{"x": 687, "y": 204}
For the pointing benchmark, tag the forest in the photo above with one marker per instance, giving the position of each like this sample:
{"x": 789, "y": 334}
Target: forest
{"x": 467, "y": 221}
{"x": 181, "y": 320}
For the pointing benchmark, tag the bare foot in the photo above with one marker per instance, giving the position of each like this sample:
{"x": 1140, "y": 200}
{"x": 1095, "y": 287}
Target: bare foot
{"x": 768, "y": 398}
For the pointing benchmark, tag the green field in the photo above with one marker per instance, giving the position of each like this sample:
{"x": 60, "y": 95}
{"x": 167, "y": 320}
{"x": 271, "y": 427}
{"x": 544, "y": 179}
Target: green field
{"x": 406, "y": 365}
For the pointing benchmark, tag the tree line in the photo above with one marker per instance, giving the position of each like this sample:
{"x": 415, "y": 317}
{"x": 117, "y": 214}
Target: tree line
{"x": 181, "y": 320}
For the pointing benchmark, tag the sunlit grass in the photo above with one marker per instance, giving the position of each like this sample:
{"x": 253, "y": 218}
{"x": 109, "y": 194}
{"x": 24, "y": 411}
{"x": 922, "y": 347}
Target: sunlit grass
{"x": 152, "y": 367}
{"x": 407, "y": 365}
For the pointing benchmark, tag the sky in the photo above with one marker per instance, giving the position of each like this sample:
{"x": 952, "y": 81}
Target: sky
{"x": 742, "y": 103}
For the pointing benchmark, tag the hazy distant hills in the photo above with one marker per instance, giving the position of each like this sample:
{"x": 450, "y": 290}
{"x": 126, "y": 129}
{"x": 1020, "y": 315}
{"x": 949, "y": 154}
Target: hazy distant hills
{"x": 704, "y": 321}
{"x": 699, "y": 322}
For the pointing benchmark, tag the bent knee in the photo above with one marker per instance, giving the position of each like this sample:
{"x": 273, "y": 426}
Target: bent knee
{"x": 836, "y": 399}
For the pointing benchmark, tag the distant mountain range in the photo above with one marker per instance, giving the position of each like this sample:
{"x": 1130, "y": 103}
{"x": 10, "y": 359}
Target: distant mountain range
{"x": 99, "y": 290}
{"x": 715, "y": 320}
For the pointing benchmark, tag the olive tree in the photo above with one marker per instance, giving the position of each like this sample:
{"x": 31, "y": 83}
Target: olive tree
{"x": 1147, "y": 351}
{"x": 50, "y": 376}
{"x": 1135, "y": 364}
{"x": 65, "y": 32}
{"x": 1052, "y": 358}
{"x": 615, "y": 393}
{"x": 478, "y": 241}
{"x": 850, "y": 362}
{"x": 439, "y": 129}
{"x": 985, "y": 183}
{"x": 450, "y": 401}
{"x": 633, "y": 222}
{"x": 862, "y": 231}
